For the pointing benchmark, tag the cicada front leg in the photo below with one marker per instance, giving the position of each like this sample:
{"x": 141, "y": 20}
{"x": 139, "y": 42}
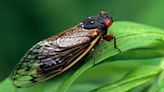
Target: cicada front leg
{"x": 112, "y": 37}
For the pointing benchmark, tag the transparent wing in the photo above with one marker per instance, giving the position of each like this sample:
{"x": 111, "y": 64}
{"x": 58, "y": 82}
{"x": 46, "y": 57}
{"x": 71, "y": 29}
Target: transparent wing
{"x": 50, "y": 57}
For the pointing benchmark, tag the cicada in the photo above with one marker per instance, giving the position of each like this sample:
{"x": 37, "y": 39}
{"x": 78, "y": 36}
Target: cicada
{"x": 53, "y": 56}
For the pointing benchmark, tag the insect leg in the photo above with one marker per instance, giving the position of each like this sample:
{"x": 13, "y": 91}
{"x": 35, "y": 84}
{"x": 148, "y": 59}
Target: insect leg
{"x": 96, "y": 51}
{"x": 112, "y": 37}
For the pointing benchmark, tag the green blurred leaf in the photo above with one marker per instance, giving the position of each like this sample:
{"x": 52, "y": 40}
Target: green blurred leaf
{"x": 7, "y": 86}
{"x": 134, "y": 79}
{"x": 129, "y": 36}
{"x": 158, "y": 84}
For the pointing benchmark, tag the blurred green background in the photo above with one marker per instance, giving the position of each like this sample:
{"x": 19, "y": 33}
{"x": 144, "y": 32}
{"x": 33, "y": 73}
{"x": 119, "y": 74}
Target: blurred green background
{"x": 25, "y": 22}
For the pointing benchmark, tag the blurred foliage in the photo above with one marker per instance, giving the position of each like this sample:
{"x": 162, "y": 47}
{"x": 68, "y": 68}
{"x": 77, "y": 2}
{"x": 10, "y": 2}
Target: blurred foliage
{"x": 25, "y": 22}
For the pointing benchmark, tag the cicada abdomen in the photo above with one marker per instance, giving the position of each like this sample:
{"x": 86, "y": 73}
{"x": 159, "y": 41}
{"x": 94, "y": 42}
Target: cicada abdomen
{"x": 55, "y": 55}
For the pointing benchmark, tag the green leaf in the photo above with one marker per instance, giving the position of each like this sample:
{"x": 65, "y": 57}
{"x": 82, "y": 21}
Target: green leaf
{"x": 134, "y": 79}
{"x": 140, "y": 53}
{"x": 130, "y": 36}
{"x": 7, "y": 86}
{"x": 158, "y": 84}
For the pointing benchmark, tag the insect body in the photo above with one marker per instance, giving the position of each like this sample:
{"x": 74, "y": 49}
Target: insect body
{"x": 55, "y": 55}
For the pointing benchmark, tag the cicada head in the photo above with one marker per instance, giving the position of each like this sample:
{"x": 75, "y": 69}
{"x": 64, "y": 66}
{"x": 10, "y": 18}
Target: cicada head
{"x": 101, "y": 21}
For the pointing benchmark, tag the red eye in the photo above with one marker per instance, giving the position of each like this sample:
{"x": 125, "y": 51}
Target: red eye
{"x": 108, "y": 22}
